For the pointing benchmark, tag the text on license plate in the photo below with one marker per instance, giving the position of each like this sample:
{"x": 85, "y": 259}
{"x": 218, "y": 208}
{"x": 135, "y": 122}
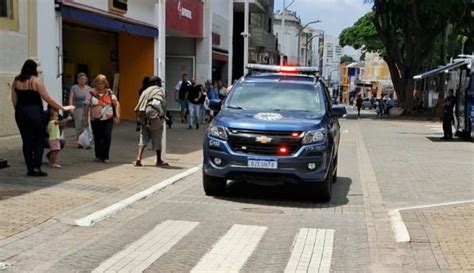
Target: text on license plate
{"x": 262, "y": 163}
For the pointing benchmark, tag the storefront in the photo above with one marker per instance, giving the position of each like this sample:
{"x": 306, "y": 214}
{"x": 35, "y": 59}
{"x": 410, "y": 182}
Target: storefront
{"x": 184, "y": 31}
{"x": 95, "y": 42}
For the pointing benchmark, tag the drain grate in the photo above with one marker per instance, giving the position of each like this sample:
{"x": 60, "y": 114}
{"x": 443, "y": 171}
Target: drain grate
{"x": 262, "y": 210}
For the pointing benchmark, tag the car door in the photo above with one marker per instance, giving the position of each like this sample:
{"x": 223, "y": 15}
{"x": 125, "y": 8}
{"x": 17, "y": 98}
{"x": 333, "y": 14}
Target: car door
{"x": 332, "y": 121}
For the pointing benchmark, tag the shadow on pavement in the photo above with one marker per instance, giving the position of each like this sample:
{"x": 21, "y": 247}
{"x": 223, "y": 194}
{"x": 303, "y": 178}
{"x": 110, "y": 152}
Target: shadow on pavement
{"x": 438, "y": 139}
{"x": 286, "y": 195}
{"x": 79, "y": 167}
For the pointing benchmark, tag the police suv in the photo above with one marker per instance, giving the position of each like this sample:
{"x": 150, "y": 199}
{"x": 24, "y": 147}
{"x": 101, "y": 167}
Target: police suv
{"x": 276, "y": 126}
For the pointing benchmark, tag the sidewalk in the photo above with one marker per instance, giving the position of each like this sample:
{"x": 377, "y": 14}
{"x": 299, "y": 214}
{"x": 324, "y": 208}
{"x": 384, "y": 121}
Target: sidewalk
{"x": 26, "y": 202}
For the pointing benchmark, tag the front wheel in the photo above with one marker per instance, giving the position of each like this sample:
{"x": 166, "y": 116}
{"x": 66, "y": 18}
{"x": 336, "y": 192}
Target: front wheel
{"x": 321, "y": 191}
{"x": 213, "y": 185}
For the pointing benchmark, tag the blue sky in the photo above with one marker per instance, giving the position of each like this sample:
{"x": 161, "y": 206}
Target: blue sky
{"x": 335, "y": 15}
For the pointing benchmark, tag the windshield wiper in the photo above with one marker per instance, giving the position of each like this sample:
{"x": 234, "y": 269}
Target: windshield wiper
{"x": 231, "y": 106}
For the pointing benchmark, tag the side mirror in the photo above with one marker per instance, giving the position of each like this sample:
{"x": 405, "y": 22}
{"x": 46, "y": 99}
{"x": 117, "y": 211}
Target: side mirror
{"x": 215, "y": 105}
{"x": 338, "y": 110}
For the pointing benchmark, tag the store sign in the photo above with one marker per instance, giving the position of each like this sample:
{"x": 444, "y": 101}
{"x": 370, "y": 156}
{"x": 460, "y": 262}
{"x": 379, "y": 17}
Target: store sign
{"x": 184, "y": 12}
{"x": 185, "y": 17}
{"x": 118, "y": 6}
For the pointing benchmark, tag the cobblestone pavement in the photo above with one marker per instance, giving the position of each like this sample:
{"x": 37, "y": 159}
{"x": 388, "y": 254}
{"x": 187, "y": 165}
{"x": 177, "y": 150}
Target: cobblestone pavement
{"x": 260, "y": 229}
{"x": 26, "y": 202}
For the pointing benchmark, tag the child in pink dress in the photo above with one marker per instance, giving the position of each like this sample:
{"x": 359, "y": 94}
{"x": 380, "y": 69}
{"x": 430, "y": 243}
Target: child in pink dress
{"x": 54, "y": 137}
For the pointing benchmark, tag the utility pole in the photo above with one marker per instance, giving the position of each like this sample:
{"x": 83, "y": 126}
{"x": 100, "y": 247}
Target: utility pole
{"x": 246, "y": 35}
{"x": 282, "y": 32}
{"x": 299, "y": 37}
{"x": 282, "y": 38}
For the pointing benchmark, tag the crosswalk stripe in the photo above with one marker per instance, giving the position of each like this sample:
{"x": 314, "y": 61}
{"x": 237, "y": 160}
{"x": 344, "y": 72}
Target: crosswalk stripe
{"x": 142, "y": 253}
{"x": 232, "y": 250}
{"x": 312, "y": 251}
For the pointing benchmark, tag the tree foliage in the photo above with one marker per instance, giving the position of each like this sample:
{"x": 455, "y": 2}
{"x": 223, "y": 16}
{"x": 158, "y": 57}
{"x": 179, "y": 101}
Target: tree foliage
{"x": 363, "y": 35}
{"x": 346, "y": 59}
{"x": 409, "y": 35}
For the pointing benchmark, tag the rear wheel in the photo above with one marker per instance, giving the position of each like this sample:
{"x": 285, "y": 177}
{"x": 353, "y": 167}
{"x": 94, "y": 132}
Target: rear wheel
{"x": 213, "y": 185}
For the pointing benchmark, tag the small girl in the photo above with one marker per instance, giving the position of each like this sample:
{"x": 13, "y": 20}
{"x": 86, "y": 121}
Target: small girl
{"x": 54, "y": 137}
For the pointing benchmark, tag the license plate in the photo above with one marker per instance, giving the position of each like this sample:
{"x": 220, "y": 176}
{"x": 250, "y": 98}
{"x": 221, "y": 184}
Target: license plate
{"x": 262, "y": 163}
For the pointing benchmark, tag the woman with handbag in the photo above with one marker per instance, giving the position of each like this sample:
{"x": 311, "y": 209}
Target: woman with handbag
{"x": 77, "y": 96}
{"x": 104, "y": 109}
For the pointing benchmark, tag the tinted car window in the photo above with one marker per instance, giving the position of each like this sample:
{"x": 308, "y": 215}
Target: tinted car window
{"x": 275, "y": 96}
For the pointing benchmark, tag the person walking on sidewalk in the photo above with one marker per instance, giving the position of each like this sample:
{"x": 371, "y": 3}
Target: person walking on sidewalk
{"x": 151, "y": 114}
{"x": 448, "y": 118}
{"x": 104, "y": 109}
{"x": 193, "y": 97}
{"x": 77, "y": 96}
{"x": 180, "y": 93}
{"x": 359, "y": 104}
{"x": 27, "y": 93}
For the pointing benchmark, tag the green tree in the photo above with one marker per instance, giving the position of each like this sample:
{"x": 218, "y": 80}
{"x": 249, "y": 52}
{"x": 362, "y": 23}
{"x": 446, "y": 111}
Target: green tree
{"x": 346, "y": 59}
{"x": 408, "y": 30}
{"x": 410, "y": 35}
{"x": 363, "y": 35}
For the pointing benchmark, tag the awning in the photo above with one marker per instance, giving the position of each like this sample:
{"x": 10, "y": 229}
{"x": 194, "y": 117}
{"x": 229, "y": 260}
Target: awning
{"x": 220, "y": 56}
{"x": 440, "y": 69}
{"x": 106, "y": 21}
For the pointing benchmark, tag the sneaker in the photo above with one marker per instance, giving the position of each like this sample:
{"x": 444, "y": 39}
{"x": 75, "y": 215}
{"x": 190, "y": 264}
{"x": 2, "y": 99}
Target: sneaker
{"x": 39, "y": 173}
{"x": 137, "y": 163}
{"x": 162, "y": 163}
{"x": 190, "y": 127}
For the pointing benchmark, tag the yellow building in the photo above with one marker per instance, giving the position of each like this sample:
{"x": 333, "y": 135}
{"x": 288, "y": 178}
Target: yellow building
{"x": 376, "y": 73}
{"x": 349, "y": 77}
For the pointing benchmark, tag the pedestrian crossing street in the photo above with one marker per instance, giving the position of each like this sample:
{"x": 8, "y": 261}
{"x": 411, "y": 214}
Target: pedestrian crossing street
{"x": 311, "y": 250}
{"x": 435, "y": 128}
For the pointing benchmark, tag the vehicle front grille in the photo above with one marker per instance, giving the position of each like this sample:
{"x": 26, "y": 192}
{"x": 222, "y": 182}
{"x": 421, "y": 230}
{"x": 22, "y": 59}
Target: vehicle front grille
{"x": 245, "y": 141}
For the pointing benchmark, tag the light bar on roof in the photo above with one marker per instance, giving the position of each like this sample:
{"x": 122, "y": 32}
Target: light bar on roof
{"x": 277, "y": 68}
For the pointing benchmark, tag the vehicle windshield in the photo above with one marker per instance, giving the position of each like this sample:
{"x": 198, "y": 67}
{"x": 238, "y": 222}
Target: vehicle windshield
{"x": 276, "y": 96}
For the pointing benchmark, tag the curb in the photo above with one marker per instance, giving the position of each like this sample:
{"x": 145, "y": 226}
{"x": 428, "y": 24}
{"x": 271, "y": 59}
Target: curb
{"x": 100, "y": 215}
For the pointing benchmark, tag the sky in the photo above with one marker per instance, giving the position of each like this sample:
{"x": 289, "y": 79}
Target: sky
{"x": 335, "y": 15}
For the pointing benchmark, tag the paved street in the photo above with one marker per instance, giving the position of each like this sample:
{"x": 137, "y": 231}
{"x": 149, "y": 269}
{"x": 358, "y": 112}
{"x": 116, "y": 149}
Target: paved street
{"x": 384, "y": 165}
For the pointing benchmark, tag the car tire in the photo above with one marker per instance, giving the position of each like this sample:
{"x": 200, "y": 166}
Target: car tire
{"x": 321, "y": 191}
{"x": 213, "y": 186}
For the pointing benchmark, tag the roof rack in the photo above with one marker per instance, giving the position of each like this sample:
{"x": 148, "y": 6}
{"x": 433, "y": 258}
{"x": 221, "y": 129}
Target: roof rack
{"x": 284, "y": 69}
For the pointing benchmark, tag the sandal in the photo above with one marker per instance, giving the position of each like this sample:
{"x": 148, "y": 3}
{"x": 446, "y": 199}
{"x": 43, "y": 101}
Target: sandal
{"x": 57, "y": 166}
{"x": 106, "y": 161}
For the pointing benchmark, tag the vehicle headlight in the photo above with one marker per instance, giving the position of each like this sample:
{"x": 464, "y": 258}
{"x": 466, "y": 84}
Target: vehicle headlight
{"x": 316, "y": 136}
{"x": 218, "y": 131}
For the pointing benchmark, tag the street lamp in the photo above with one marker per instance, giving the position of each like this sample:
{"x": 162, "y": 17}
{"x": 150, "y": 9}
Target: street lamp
{"x": 307, "y": 43}
{"x": 282, "y": 34}
{"x": 299, "y": 36}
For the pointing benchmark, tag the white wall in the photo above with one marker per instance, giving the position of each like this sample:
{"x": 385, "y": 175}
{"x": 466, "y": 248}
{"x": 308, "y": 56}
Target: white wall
{"x": 141, "y": 10}
{"x": 204, "y": 47}
{"x": 49, "y": 31}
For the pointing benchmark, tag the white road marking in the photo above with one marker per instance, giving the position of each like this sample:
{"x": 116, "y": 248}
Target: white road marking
{"x": 231, "y": 251}
{"x": 97, "y": 216}
{"x": 142, "y": 253}
{"x": 312, "y": 251}
{"x": 399, "y": 228}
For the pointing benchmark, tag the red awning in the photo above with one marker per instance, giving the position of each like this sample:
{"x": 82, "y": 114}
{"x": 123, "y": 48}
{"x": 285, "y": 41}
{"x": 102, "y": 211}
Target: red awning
{"x": 220, "y": 56}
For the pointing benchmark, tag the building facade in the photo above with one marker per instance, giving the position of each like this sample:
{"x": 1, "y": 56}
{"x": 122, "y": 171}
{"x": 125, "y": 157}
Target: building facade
{"x": 18, "y": 41}
{"x": 331, "y": 58}
{"x": 288, "y": 37}
{"x": 376, "y": 74}
{"x": 262, "y": 43}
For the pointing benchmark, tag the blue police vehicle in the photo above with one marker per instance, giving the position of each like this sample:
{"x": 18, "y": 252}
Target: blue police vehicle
{"x": 277, "y": 126}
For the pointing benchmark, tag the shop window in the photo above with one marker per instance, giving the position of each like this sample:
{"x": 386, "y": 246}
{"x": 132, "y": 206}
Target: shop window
{"x": 9, "y": 15}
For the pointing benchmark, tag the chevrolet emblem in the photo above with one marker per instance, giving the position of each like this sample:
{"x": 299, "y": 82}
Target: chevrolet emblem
{"x": 263, "y": 139}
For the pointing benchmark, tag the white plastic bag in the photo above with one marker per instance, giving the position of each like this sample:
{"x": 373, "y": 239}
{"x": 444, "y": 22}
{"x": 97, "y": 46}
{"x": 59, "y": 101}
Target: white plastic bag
{"x": 86, "y": 137}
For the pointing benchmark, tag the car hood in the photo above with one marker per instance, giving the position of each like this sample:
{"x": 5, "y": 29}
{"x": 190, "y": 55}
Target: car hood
{"x": 269, "y": 121}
